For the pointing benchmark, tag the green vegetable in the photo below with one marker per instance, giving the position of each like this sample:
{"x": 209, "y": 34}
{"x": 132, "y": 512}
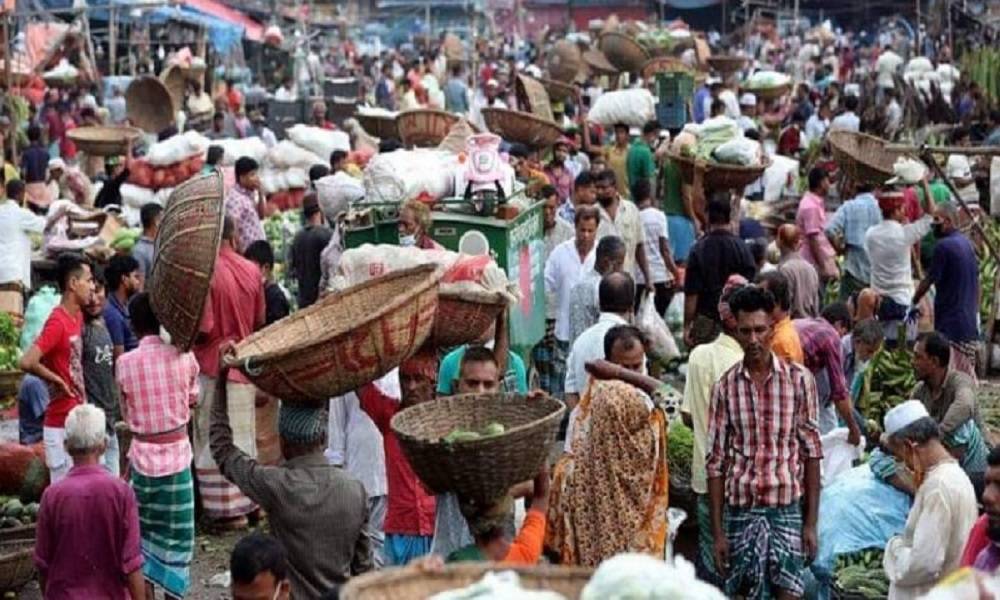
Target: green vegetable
{"x": 680, "y": 451}
{"x": 465, "y": 435}
{"x": 13, "y": 509}
{"x": 494, "y": 429}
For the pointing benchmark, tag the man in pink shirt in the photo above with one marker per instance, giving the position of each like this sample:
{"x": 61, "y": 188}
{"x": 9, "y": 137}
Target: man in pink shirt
{"x": 87, "y": 536}
{"x": 811, "y": 221}
{"x": 234, "y": 309}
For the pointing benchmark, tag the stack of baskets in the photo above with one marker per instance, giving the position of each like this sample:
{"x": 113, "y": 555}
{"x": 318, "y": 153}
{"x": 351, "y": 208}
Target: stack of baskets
{"x": 485, "y": 469}
{"x": 864, "y": 158}
{"x": 414, "y": 583}
{"x": 424, "y": 127}
{"x": 344, "y": 340}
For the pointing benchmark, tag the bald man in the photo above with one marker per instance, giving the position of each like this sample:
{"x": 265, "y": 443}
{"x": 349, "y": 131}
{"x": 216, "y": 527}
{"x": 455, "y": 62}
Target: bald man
{"x": 802, "y": 276}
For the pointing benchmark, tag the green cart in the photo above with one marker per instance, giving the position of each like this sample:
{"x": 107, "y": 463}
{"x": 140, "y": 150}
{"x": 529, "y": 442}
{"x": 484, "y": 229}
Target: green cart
{"x": 517, "y": 246}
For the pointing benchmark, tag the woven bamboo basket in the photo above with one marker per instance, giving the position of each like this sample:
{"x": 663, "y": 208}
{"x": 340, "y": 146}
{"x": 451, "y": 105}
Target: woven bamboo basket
{"x": 382, "y": 127}
{"x": 623, "y": 51}
{"x": 175, "y": 79}
{"x": 533, "y": 96}
{"x": 564, "y": 61}
{"x": 662, "y": 64}
{"x": 726, "y": 64}
{"x": 558, "y": 90}
{"x": 343, "y": 341}
{"x": 485, "y": 469}
{"x": 864, "y": 158}
{"x": 598, "y": 63}
{"x": 187, "y": 246}
{"x": 103, "y": 141}
{"x": 149, "y": 105}
{"x": 10, "y": 382}
{"x": 424, "y": 127}
{"x": 522, "y": 127}
{"x": 770, "y": 93}
{"x": 719, "y": 176}
{"x": 17, "y": 565}
{"x": 416, "y": 584}
{"x": 463, "y": 318}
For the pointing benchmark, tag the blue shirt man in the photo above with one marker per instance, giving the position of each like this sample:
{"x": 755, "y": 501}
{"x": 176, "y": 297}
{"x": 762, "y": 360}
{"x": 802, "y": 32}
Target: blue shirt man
{"x": 954, "y": 272}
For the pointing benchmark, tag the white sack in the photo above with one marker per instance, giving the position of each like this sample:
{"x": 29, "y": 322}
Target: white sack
{"x": 177, "y": 149}
{"x": 253, "y": 147}
{"x": 336, "y": 193}
{"x": 404, "y": 174}
{"x": 321, "y": 142}
{"x": 288, "y": 154}
{"x": 634, "y": 108}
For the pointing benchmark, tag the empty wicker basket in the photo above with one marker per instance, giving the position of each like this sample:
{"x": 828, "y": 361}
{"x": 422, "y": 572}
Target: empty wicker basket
{"x": 564, "y": 61}
{"x": 485, "y": 469}
{"x": 149, "y": 104}
{"x": 103, "y": 141}
{"x": 598, "y": 63}
{"x": 720, "y": 176}
{"x": 424, "y": 127}
{"x": 726, "y": 64}
{"x": 187, "y": 246}
{"x": 416, "y": 584}
{"x": 522, "y": 127}
{"x": 381, "y": 126}
{"x": 864, "y": 158}
{"x": 623, "y": 51}
{"x": 344, "y": 340}
{"x": 464, "y": 317}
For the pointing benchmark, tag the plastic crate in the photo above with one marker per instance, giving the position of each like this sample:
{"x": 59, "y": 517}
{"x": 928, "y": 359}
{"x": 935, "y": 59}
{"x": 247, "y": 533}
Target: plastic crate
{"x": 672, "y": 115}
{"x": 673, "y": 85}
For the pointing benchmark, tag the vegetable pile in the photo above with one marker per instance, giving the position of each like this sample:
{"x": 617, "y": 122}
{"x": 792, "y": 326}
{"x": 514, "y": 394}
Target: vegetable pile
{"x": 987, "y": 268}
{"x": 861, "y": 574}
{"x": 10, "y": 354}
{"x": 680, "y": 450}
{"x": 467, "y": 435}
{"x": 15, "y": 514}
{"x": 144, "y": 174}
{"x": 888, "y": 381}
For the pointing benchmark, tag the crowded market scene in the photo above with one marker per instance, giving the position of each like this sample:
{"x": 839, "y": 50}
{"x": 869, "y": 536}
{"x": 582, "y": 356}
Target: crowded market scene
{"x": 500, "y": 299}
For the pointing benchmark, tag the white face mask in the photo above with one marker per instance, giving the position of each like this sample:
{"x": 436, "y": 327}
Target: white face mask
{"x": 407, "y": 240}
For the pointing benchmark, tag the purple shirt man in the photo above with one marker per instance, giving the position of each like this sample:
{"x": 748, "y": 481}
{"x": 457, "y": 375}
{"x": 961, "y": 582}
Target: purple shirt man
{"x": 88, "y": 536}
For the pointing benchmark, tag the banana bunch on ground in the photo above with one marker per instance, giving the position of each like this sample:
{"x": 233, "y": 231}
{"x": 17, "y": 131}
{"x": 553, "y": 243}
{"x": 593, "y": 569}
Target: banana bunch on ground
{"x": 860, "y": 574}
{"x": 888, "y": 381}
{"x": 987, "y": 268}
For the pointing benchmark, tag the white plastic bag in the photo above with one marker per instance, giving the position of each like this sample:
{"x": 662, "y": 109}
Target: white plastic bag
{"x": 652, "y": 325}
{"x": 287, "y": 154}
{"x": 741, "y": 151}
{"x": 177, "y": 149}
{"x": 404, "y": 174}
{"x": 336, "y": 193}
{"x": 634, "y": 108}
{"x": 253, "y": 147}
{"x": 838, "y": 455}
{"x": 321, "y": 142}
{"x": 134, "y": 196}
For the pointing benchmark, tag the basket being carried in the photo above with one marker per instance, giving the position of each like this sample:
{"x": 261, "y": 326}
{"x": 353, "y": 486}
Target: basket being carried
{"x": 731, "y": 161}
{"x": 768, "y": 85}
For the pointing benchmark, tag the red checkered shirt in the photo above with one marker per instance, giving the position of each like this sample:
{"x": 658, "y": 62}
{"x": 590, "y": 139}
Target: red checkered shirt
{"x": 758, "y": 437}
{"x": 159, "y": 386}
{"x": 822, "y": 349}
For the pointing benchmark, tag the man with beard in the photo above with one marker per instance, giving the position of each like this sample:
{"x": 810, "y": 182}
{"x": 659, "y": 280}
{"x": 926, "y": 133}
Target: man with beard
{"x": 944, "y": 508}
{"x": 621, "y": 217}
{"x": 124, "y": 279}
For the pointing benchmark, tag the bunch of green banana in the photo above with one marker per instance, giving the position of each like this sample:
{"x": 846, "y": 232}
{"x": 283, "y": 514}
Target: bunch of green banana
{"x": 888, "y": 381}
{"x": 983, "y": 67}
{"x": 861, "y": 573}
{"x": 987, "y": 267}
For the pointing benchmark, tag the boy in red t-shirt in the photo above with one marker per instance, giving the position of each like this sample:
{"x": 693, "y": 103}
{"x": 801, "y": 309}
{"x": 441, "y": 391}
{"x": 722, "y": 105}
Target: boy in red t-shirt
{"x": 56, "y": 355}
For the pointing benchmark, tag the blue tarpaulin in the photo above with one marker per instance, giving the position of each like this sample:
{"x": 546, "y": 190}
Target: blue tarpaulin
{"x": 222, "y": 35}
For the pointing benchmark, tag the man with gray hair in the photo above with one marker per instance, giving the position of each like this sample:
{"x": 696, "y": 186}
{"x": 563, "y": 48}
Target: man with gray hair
{"x": 944, "y": 508}
{"x": 954, "y": 273}
{"x": 89, "y": 513}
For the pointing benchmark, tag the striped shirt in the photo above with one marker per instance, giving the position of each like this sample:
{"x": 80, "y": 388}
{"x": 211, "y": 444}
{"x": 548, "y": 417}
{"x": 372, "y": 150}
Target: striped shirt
{"x": 822, "y": 350}
{"x": 241, "y": 207}
{"x": 758, "y": 437}
{"x": 159, "y": 385}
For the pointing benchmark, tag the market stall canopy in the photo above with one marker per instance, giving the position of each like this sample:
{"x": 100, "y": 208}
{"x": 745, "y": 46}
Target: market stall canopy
{"x": 222, "y": 35}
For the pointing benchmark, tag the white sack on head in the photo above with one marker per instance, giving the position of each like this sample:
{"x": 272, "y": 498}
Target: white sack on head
{"x": 634, "y": 107}
{"x": 177, "y": 149}
{"x": 253, "y": 147}
{"x": 287, "y": 154}
{"x": 319, "y": 141}
{"x": 336, "y": 193}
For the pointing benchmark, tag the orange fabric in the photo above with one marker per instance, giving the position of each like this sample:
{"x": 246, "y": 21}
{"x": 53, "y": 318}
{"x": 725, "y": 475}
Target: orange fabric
{"x": 786, "y": 342}
{"x": 526, "y": 548}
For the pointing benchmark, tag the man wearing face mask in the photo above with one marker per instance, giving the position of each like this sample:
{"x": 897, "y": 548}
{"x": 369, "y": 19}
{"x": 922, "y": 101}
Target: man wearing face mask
{"x": 414, "y": 226}
{"x": 943, "y": 512}
{"x": 621, "y": 217}
{"x": 954, "y": 273}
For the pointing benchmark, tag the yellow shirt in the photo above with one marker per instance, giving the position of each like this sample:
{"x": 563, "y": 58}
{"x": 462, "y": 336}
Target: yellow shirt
{"x": 617, "y": 161}
{"x": 706, "y": 365}
{"x": 786, "y": 342}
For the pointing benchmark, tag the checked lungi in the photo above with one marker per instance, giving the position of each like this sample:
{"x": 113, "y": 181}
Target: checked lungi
{"x": 964, "y": 356}
{"x": 166, "y": 524}
{"x": 765, "y": 550}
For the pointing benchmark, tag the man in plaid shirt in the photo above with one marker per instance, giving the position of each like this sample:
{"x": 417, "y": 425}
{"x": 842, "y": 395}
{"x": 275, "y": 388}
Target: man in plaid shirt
{"x": 763, "y": 455}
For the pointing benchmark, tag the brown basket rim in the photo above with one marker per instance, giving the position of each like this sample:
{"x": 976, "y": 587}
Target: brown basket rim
{"x": 431, "y": 277}
{"x": 672, "y": 64}
{"x": 841, "y": 139}
{"x": 141, "y": 116}
{"x": 471, "y": 296}
{"x": 711, "y": 165}
{"x": 558, "y": 409}
{"x": 626, "y": 39}
{"x": 731, "y": 62}
{"x": 103, "y": 133}
{"x": 356, "y": 586}
{"x": 210, "y": 271}
{"x": 562, "y": 88}
{"x": 598, "y": 61}
{"x": 432, "y": 111}
{"x": 506, "y": 113}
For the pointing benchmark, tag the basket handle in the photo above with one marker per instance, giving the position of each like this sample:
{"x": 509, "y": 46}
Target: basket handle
{"x": 247, "y": 365}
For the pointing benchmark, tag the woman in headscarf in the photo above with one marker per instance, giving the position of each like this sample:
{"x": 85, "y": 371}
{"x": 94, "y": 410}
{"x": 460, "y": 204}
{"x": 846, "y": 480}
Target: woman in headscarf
{"x": 609, "y": 494}
{"x": 415, "y": 225}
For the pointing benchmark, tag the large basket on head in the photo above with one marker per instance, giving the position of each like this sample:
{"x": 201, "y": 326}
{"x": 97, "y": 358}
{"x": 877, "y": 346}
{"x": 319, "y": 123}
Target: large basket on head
{"x": 344, "y": 340}
{"x": 393, "y": 584}
{"x": 558, "y": 90}
{"x": 479, "y": 470}
{"x": 623, "y": 51}
{"x": 149, "y": 105}
{"x": 187, "y": 246}
{"x": 17, "y": 565}
{"x": 381, "y": 126}
{"x": 864, "y": 158}
{"x": 725, "y": 63}
{"x": 598, "y": 63}
{"x": 564, "y": 61}
{"x": 99, "y": 140}
{"x": 770, "y": 93}
{"x": 176, "y": 81}
{"x": 463, "y": 317}
{"x": 424, "y": 127}
{"x": 720, "y": 176}
{"x": 521, "y": 127}
{"x": 663, "y": 64}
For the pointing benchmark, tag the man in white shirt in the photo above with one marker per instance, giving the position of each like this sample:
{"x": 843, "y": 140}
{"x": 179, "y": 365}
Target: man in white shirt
{"x": 488, "y": 98}
{"x": 893, "y": 113}
{"x": 889, "y": 245}
{"x": 621, "y": 217}
{"x": 818, "y": 123}
{"x": 286, "y": 91}
{"x": 944, "y": 508}
{"x": 616, "y": 295}
{"x": 563, "y": 269}
{"x": 748, "y": 110}
{"x": 16, "y": 223}
{"x": 887, "y": 66}
{"x": 847, "y": 120}
{"x": 354, "y": 443}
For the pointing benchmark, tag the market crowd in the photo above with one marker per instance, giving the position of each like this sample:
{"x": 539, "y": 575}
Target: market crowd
{"x": 782, "y": 293}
